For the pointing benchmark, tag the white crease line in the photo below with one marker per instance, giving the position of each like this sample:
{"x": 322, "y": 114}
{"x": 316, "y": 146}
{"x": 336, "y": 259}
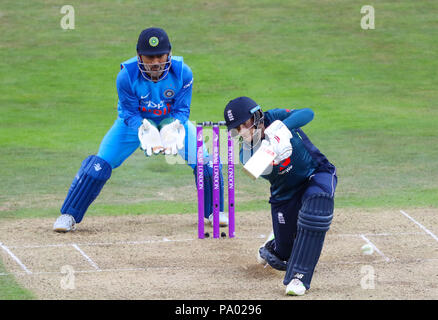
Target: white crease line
{"x": 376, "y": 234}
{"x": 97, "y": 271}
{"x": 416, "y": 261}
{"x": 166, "y": 240}
{"x": 76, "y": 271}
{"x": 100, "y": 243}
{"x": 15, "y": 258}
{"x": 380, "y": 261}
{"x": 420, "y": 225}
{"x": 95, "y": 266}
{"x": 374, "y": 247}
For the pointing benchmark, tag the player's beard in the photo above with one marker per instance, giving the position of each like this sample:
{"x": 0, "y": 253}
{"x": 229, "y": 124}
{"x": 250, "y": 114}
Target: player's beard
{"x": 154, "y": 71}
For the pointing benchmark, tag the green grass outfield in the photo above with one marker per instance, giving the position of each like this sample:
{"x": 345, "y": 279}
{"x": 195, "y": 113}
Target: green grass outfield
{"x": 374, "y": 93}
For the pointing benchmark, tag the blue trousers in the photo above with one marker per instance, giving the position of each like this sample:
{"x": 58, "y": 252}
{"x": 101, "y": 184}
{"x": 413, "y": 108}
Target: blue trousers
{"x": 285, "y": 214}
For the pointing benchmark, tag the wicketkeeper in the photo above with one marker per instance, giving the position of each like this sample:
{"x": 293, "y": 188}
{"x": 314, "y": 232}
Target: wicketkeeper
{"x": 303, "y": 184}
{"x": 155, "y": 91}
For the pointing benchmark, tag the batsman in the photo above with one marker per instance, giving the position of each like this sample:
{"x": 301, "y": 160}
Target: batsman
{"x": 154, "y": 90}
{"x": 302, "y": 180}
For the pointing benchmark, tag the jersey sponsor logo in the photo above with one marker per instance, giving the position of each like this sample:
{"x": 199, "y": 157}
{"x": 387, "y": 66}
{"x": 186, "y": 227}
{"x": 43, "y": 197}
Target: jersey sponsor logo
{"x": 158, "y": 109}
{"x": 285, "y": 166}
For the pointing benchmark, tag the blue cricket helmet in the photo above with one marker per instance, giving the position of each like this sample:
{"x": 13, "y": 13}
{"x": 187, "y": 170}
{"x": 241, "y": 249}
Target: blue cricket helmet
{"x": 239, "y": 110}
{"x": 153, "y": 41}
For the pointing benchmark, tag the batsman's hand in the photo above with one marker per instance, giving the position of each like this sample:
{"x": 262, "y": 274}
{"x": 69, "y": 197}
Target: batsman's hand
{"x": 173, "y": 135}
{"x": 150, "y": 140}
{"x": 279, "y": 137}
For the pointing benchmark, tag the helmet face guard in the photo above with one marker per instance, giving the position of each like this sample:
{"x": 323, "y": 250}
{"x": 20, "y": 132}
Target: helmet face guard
{"x": 154, "y": 42}
{"x": 237, "y": 112}
{"x": 257, "y": 116}
{"x": 148, "y": 71}
{"x": 251, "y": 139}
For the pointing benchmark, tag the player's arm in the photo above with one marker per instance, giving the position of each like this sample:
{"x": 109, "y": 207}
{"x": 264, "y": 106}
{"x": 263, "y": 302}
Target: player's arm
{"x": 294, "y": 119}
{"x": 128, "y": 101}
{"x": 148, "y": 135}
{"x": 173, "y": 134}
{"x": 278, "y": 135}
{"x": 181, "y": 108}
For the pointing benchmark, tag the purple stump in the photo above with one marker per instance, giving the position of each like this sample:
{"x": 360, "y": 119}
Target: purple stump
{"x": 200, "y": 179}
{"x": 216, "y": 182}
{"x": 231, "y": 207}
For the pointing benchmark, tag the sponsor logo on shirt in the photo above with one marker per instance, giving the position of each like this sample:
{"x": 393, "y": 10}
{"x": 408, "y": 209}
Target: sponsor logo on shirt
{"x": 285, "y": 166}
{"x": 159, "y": 109}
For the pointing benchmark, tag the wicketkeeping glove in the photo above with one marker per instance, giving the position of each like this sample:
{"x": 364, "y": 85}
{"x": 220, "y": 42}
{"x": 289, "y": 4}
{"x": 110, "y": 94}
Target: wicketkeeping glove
{"x": 279, "y": 137}
{"x": 172, "y": 136}
{"x": 150, "y": 139}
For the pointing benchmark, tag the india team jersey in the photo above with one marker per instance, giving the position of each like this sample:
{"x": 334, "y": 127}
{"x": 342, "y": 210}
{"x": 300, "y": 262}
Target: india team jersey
{"x": 140, "y": 98}
{"x": 287, "y": 177}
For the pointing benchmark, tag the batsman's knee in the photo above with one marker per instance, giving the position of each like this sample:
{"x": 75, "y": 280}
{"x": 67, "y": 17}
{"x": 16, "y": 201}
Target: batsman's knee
{"x": 316, "y": 213}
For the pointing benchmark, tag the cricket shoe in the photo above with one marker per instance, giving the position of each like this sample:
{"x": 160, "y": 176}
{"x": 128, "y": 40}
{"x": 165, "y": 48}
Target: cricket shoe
{"x": 64, "y": 223}
{"x": 259, "y": 257}
{"x": 295, "y": 288}
{"x": 268, "y": 256}
{"x": 223, "y": 219}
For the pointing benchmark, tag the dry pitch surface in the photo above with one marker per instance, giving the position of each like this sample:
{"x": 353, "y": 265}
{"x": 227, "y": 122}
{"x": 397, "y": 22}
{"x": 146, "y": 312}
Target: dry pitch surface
{"x": 159, "y": 257}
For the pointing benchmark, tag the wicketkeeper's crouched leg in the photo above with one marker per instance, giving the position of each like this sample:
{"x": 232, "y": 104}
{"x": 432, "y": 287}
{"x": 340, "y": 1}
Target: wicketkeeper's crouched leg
{"x": 86, "y": 186}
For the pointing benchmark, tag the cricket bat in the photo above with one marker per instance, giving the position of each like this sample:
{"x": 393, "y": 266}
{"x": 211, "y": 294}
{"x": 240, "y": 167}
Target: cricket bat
{"x": 260, "y": 160}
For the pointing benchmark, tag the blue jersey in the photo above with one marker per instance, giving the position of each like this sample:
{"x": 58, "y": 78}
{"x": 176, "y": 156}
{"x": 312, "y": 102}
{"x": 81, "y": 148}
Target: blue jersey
{"x": 140, "y": 98}
{"x": 288, "y": 177}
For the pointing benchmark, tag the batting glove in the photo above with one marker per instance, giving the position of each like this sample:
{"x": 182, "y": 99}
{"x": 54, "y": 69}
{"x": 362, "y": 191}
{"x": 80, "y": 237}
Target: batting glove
{"x": 173, "y": 135}
{"x": 279, "y": 137}
{"x": 150, "y": 139}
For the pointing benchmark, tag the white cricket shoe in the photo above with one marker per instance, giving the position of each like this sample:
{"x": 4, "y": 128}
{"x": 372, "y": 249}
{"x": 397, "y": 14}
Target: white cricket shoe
{"x": 223, "y": 219}
{"x": 259, "y": 258}
{"x": 64, "y": 223}
{"x": 295, "y": 288}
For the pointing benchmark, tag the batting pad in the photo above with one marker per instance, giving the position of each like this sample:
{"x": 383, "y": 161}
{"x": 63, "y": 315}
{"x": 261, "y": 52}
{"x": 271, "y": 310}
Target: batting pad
{"x": 314, "y": 221}
{"x": 86, "y": 186}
